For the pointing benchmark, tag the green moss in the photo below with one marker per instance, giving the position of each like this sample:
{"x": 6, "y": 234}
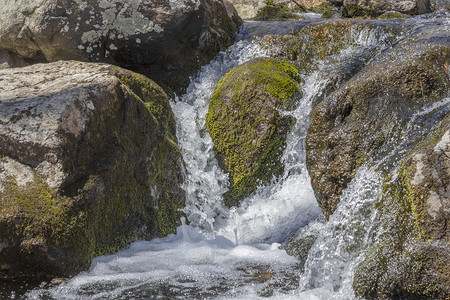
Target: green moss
{"x": 273, "y": 11}
{"x": 248, "y": 132}
{"x": 42, "y": 218}
{"x": 355, "y": 10}
{"x": 151, "y": 94}
{"x": 400, "y": 264}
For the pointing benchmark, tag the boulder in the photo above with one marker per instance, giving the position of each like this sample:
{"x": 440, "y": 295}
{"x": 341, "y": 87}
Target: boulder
{"x": 373, "y": 8}
{"x": 427, "y": 178}
{"x": 411, "y": 258}
{"x": 245, "y": 124}
{"x": 167, "y": 40}
{"x": 248, "y": 9}
{"x": 364, "y": 119}
{"x": 393, "y": 115}
{"x": 89, "y": 162}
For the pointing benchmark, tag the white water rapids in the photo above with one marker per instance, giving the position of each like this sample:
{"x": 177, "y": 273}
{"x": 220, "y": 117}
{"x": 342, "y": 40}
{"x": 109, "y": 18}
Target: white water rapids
{"x": 236, "y": 253}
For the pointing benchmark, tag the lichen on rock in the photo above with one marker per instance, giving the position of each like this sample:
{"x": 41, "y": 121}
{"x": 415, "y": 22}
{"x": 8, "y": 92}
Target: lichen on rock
{"x": 89, "y": 162}
{"x": 379, "y": 102}
{"x": 245, "y": 124}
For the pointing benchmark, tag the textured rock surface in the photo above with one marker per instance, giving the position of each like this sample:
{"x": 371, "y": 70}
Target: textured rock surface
{"x": 88, "y": 163}
{"x": 168, "y": 40}
{"x": 372, "y": 8}
{"x": 396, "y": 109}
{"x": 411, "y": 259}
{"x": 248, "y": 9}
{"x": 364, "y": 119}
{"x": 248, "y": 132}
{"x": 347, "y": 44}
{"x": 427, "y": 178}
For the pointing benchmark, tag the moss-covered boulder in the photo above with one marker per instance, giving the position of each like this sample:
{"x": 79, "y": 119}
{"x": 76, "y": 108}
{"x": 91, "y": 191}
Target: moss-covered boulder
{"x": 89, "y": 162}
{"x": 374, "y": 8}
{"x": 365, "y": 119}
{"x": 245, "y": 124}
{"x": 275, "y": 11}
{"x": 411, "y": 259}
{"x": 394, "y": 114}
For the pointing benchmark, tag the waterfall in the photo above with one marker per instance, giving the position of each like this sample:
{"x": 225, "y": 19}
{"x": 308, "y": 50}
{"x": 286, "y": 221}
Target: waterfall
{"x": 237, "y": 253}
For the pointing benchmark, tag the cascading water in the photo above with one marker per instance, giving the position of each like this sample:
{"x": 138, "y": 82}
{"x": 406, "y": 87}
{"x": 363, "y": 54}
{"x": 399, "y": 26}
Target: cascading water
{"x": 236, "y": 253}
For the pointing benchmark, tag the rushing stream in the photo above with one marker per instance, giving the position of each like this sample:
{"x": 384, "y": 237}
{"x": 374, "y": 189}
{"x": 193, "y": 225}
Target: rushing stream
{"x": 238, "y": 253}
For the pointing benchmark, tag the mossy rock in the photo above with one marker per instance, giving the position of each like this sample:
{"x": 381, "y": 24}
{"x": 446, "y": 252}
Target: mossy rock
{"x": 245, "y": 124}
{"x": 275, "y": 12}
{"x": 364, "y": 119}
{"x": 326, "y": 9}
{"x": 426, "y": 174}
{"x": 355, "y": 10}
{"x": 115, "y": 154}
{"x": 402, "y": 264}
{"x": 318, "y": 41}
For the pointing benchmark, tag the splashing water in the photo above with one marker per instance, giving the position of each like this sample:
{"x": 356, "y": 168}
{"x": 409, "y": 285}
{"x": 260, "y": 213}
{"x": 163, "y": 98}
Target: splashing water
{"x": 235, "y": 253}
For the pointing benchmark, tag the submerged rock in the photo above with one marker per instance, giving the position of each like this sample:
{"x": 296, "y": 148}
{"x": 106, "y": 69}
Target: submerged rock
{"x": 88, "y": 163}
{"x": 167, "y": 40}
{"x": 373, "y": 8}
{"x": 342, "y": 47}
{"x": 245, "y": 124}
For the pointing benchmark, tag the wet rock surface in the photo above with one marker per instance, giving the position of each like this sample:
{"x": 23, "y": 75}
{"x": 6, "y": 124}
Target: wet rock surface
{"x": 88, "y": 163}
{"x": 363, "y": 120}
{"x": 165, "y": 40}
{"x": 394, "y": 114}
{"x": 245, "y": 124}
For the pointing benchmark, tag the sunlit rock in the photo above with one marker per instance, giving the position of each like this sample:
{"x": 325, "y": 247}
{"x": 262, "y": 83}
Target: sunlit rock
{"x": 89, "y": 162}
{"x": 366, "y": 117}
{"x": 167, "y": 40}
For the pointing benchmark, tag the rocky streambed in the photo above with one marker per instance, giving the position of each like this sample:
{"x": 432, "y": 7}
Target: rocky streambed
{"x": 310, "y": 159}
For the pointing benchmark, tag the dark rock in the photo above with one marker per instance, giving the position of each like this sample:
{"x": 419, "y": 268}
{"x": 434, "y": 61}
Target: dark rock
{"x": 248, "y": 131}
{"x": 167, "y": 40}
{"x": 88, "y": 163}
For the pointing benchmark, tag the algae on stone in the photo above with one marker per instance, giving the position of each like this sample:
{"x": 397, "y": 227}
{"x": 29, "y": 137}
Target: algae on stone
{"x": 272, "y": 11}
{"x": 115, "y": 151}
{"x": 248, "y": 131}
{"x": 363, "y": 120}
{"x": 402, "y": 264}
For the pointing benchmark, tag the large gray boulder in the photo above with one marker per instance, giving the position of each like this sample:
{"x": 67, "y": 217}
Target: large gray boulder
{"x": 88, "y": 163}
{"x": 168, "y": 40}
